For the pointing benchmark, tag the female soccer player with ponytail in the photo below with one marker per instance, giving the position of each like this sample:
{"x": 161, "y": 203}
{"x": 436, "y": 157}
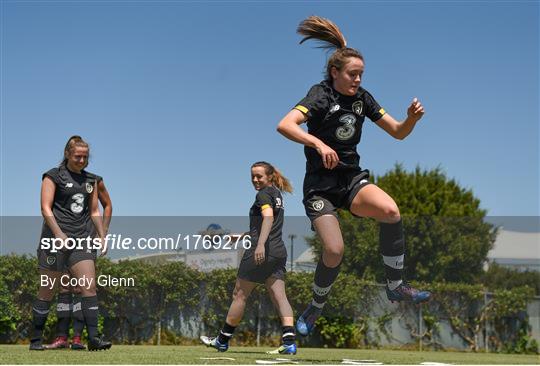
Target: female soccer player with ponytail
{"x": 69, "y": 301}
{"x": 335, "y": 110}
{"x": 69, "y": 202}
{"x": 265, "y": 261}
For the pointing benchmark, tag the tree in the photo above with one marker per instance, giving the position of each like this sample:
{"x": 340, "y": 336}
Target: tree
{"x": 499, "y": 277}
{"x": 446, "y": 236}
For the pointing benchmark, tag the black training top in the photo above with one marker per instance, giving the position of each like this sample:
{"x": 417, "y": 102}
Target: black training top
{"x": 267, "y": 197}
{"x": 337, "y": 120}
{"x": 70, "y": 205}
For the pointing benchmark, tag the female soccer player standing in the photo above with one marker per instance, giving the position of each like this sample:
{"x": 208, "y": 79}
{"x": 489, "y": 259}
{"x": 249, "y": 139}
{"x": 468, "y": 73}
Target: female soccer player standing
{"x": 69, "y": 200}
{"x": 69, "y": 297}
{"x": 335, "y": 110}
{"x": 265, "y": 262}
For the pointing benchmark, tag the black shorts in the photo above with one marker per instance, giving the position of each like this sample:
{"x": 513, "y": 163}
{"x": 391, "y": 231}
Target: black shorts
{"x": 325, "y": 192}
{"x": 272, "y": 267}
{"x": 61, "y": 261}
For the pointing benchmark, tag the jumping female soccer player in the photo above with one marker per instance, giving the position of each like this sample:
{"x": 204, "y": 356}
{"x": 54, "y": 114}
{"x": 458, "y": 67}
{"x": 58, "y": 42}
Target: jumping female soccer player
{"x": 335, "y": 110}
{"x": 263, "y": 263}
{"x": 69, "y": 297}
{"x": 69, "y": 200}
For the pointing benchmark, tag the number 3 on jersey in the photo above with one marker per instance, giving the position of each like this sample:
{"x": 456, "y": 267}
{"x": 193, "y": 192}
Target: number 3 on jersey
{"x": 78, "y": 205}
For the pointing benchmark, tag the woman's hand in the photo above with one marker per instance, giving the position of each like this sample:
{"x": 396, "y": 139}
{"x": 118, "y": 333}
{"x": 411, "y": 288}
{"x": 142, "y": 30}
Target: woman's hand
{"x": 415, "y": 110}
{"x": 104, "y": 248}
{"x": 62, "y": 237}
{"x": 259, "y": 254}
{"x": 329, "y": 157}
{"x": 289, "y": 127}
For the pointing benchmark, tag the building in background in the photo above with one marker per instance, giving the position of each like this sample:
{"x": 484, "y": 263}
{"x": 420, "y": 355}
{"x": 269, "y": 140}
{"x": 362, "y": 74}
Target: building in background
{"x": 512, "y": 249}
{"x": 204, "y": 260}
{"x": 516, "y": 250}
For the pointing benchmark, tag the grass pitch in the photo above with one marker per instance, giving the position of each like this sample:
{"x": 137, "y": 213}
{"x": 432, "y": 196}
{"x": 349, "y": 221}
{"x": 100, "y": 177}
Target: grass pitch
{"x": 19, "y": 354}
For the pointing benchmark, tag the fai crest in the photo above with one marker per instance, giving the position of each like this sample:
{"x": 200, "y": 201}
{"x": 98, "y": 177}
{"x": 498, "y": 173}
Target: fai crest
{"x": 318, "y": 205}
{"x": 89, "y": 187}
{"x": 358, "y": 107}
{"x": 50, "y": 260}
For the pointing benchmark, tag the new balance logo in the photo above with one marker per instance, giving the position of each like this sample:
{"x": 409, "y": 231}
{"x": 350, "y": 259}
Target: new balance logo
{"x": 69, "y": 185}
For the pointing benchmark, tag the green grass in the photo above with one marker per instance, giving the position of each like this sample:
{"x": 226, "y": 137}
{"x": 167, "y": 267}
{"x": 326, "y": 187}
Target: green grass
{"x": 20, "y": 354}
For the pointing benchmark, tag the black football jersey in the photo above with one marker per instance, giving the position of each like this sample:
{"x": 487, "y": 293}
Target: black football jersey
{"x": 337, "y": 120}
{"x": 71, "y": 207}
{"x": 268, "y": 197}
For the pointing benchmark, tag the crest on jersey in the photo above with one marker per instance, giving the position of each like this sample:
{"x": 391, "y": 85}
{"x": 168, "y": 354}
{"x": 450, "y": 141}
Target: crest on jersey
{"x": 358, "y": 107}
{"x": 348, "y": 129}
{"x": 318, "y": 205}
{"x": 50, "y": 260}
{"x": 89, "y": 187}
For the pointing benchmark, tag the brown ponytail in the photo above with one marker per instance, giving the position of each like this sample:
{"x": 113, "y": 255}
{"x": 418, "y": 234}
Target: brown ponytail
{"x": 330, "y": 37}
{"x": 322, "y": 29}
{"x": 276, "y": 177}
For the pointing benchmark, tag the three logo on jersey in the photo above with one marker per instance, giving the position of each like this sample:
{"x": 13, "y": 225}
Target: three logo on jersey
{"x": 78, "y": 205}
{"x": 348, "y": 120}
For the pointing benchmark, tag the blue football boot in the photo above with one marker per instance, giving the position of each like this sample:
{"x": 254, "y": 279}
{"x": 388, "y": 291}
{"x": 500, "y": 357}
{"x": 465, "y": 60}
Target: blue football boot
{"x": 284, "y": 349}
{"x": 214, "y": 343}
{"x": 306, "y": 321}
{"x": 405, "y": 292}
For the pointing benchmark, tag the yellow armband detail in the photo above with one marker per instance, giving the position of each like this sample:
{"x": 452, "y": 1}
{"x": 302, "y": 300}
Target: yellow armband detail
{"x": 382, "y": 111}
{"x": 263, "y": 207}
{"x": 301, "y": 108}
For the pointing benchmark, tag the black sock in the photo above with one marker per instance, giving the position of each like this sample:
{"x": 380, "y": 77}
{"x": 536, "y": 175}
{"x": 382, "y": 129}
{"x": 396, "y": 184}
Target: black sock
{"x": 63, "y": 313}
{"x": 288, "y": 336}
{"x": 392, "y": 244}
{"x": 78, "y": 317}
{"x": 226, "y": 333}
{"x": 324, "y": 279}
{"x": 40, "y": 311}
{"x": 90, "y": 312}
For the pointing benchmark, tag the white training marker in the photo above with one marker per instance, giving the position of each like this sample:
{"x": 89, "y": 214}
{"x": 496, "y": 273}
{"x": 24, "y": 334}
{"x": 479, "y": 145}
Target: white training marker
{"x": 277, "y": 361}
{"x": 367, "y": 361}
{"x": 348, "y": 361}
{"x": 217, "y": 358}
